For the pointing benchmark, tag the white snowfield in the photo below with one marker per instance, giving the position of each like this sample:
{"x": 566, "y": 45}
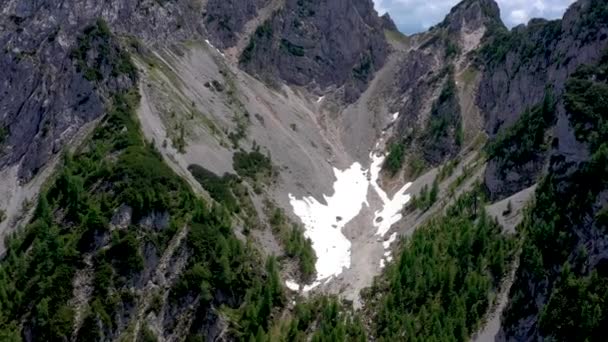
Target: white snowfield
{"x": 324, "y": 222}
{"x": 391, "y": 209}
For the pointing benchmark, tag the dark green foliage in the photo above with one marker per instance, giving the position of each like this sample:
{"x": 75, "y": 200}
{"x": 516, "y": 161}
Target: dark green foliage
{"x": 292, "y": 48}
{"x": 577, "y": 308}
{"x": 426, "y": 198}
{"x": 115, "y": 167}
{"x": 586, "y": 100}
{"x": 447, "y": 169}
{"x": 524, "y": 141}
{"x": 567, "y": 205}
{"x": 292, "y": 238}
{"x": 440, "y": 121}
{"x": 260, "y": 300}
{"x": 442, "y": 136}
{"x": 364, "y": 69}
{"x": 96, "y": 50}
{"x": 125, "y": 254}
{"x": 253, "y": 165}
{"x": 306, "y": 8}
{"x": 218, "y": 187}
{"x": 43, "y": 260}
{"x": 394, "y": 161}
{"x": 323, "y": 319}
{"x": 262, "y": 34}
{"x": 146, "y": 335}
{"x": 537, "y": 39}
{"x": 439, "y": 287}
{"x": 451, "y": 49}
{"x": 3, "y": 135}
{"x": 298, "y": 246}
{"x": 595, "y": 16}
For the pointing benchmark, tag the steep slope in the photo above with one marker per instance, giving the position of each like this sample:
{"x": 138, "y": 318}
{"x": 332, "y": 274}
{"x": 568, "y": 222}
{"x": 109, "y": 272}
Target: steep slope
{"x": 520, "y": 66}
{"x": 250, "y": 159}
{"x": 536, "y": 83}
{"x": 47, "y": 97}
{"x": 320, "y": 45}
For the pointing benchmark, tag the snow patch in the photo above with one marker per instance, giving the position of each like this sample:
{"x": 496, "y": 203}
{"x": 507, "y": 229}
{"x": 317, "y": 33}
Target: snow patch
{"x": 390, "y": 241}
{"x": 320, "y": 99}
{"x": 216, "y": 49}
{"x": 292, "y": 285}
{"x": 391, "y": 211}
{"x": 311, "y": 286}
{"x": 395, "y": 116}
{"x": 322, "y": 228}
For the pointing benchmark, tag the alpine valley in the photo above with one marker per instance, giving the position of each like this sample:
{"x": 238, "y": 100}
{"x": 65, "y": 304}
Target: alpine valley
{"x": 299, "y": 170}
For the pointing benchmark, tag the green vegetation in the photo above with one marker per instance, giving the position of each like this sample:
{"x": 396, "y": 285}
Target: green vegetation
{"x": 219, "y": 188}
{"x": 577, "y": 308}
{"x": 262, "y": 34}
{"x": 394, "y": 161}
{"x": 447, "y": 169}
{"x": 593, "y": 19}
{"x": 441, "y": 284}
{"x": 306, "y": 8}
{"x": 364, "y": 69}
{"x": 95, "y": 49}
{"x": 71, "y": 218}
{"x": 451, "y": 49}
{"x": 231, "y": 193}
{"x": 524, "y": 141}
{"x": 252, "y": 165}
{"x": 396, "y": 37}
{"x": 3, "y": 134}
{"x": 292, "y": 48}
{"x": 440, "y": 120}
{"x": 416, "y": 165}
{"x": 556, "y": 228}
{"x": 537, "y": 39}
{"x": 292, "y": 238}
{"x": 443, "y": 135}
{"x": 323, "y": 319}
{"x": 426, "y": 198}
{"x": 117, "y": 169}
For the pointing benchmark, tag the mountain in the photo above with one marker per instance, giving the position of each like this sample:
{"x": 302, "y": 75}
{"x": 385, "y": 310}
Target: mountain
{"x": 294, "y": 170}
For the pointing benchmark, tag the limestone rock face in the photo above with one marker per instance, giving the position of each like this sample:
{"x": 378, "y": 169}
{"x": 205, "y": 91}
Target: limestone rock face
{"x": 226, "y": 19}
{"x": 45, "y": 99}
{"x": 538, "y": 56}
{"x": 319, "y": 45}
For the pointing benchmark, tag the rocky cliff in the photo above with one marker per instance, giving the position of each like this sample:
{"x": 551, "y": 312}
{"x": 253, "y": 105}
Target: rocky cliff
{"x": 174, "y": 218}
{"x": 320, "y": 45}
{"x": 46, "y": 98}
{"x": 520, "y": 66}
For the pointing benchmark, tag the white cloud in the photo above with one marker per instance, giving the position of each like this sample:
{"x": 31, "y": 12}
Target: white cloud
{"x": 416, "y": 15}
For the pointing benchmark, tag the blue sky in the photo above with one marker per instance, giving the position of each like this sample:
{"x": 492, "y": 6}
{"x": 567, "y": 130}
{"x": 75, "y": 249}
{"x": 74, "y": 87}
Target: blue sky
{"x": 413, "y": 16}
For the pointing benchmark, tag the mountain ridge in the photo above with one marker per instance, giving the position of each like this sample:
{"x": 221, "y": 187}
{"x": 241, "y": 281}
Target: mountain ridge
{"x": 174, "y": 219}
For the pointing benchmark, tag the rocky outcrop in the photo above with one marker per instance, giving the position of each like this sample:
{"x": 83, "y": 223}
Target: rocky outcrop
{"x": 472, "y": 15}
{"x": 319, "y": 45}
{"x": 425, "y": 92}
{"x": 225, "y": 19}
{"x": 45, "y": 98}
{"x": 388, "y": 23}
{"x": 521, "y": 64}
